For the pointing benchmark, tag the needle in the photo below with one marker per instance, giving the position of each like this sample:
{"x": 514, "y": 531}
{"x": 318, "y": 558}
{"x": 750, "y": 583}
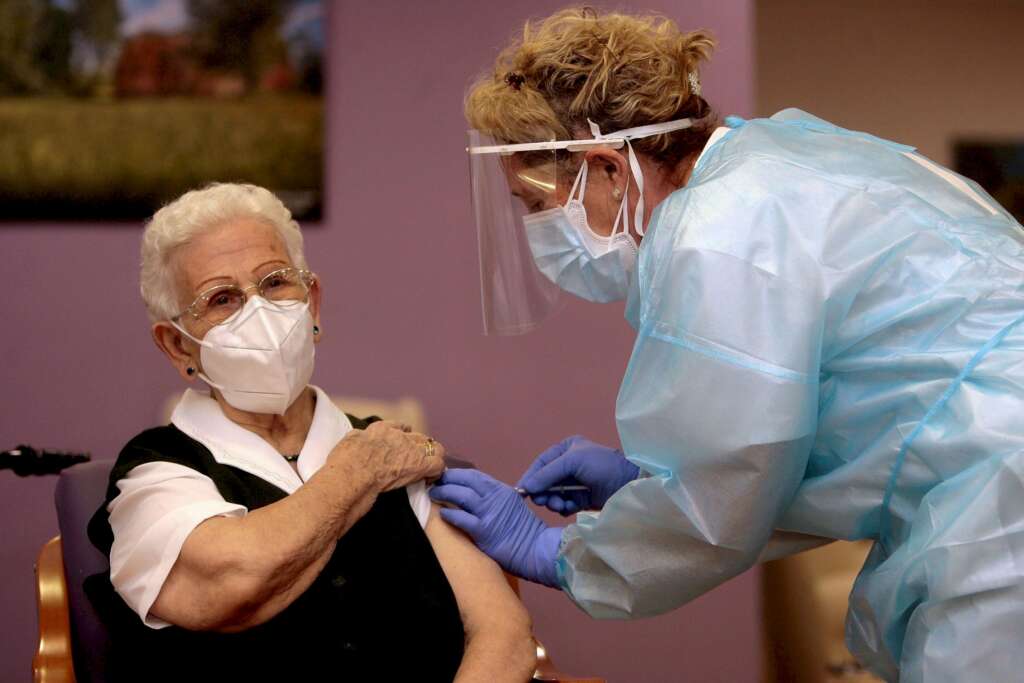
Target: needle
{"x": 554, "y": 489}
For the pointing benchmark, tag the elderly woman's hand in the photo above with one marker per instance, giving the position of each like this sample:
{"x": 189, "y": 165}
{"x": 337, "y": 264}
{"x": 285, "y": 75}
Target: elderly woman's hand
{"x": 390, "y": 454}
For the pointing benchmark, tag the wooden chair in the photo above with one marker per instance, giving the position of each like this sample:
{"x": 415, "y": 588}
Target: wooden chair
{"x": 57, "y": 656}
{"x": 805, "y": 598}
{"x": 52, "y": 662}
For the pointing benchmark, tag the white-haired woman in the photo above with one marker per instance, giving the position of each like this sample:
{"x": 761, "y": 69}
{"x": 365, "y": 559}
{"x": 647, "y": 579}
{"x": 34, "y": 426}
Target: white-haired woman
{"x": 264, "y": 534}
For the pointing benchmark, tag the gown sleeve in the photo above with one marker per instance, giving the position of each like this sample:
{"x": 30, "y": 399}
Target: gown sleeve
{"x": 718, "y": 406}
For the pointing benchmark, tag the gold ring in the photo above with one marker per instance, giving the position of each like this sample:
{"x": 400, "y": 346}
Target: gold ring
{"x": 429, "y": 446}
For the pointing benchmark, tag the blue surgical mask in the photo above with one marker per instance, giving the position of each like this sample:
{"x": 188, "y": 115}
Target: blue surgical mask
{"x": 570, "y": 254}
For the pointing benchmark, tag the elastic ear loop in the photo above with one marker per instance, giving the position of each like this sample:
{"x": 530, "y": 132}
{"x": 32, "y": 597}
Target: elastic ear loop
{"x": 638, "y": 218}
{"x": 199, "y": 373}
{"x": 581, "y": 175}
{"x": 623, "y": 213}
{"x": 634, "y": 165}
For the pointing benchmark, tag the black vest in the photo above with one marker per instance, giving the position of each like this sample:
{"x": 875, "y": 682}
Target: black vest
{"x": 381, "y": 609}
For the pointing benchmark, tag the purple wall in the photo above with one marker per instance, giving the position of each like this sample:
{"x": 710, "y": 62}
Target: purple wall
{"x": 397, "y": 256}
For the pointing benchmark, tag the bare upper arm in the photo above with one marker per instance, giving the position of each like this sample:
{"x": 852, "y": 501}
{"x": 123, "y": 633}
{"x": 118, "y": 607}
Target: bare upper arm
{"x": 192, "y": 580}
{"x": 486, "y": 600}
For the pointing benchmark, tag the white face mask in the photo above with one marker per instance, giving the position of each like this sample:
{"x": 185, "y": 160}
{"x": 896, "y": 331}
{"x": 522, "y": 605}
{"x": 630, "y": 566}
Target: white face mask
{"x": 570, "y": 254}
{"x": 261, "y": 359}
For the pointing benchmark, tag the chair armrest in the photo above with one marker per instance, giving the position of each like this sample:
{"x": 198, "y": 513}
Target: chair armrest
{"x": 52, "y": 662}
{"x": 547, "y": 672}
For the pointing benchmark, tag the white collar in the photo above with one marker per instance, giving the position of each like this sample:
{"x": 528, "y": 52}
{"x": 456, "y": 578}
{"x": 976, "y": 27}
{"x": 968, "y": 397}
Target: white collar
{"x": 199, "y": 416}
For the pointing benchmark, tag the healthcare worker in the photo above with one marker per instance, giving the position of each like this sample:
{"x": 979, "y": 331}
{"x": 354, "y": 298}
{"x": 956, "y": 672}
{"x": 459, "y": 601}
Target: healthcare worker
{"x": 829, "y": 346}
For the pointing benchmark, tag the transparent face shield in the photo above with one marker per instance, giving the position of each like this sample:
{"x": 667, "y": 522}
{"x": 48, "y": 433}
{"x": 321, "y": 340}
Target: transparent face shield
{"x": 511, "y": 181}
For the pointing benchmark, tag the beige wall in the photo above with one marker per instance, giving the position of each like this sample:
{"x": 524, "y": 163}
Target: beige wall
{"x": 919, "y": 72}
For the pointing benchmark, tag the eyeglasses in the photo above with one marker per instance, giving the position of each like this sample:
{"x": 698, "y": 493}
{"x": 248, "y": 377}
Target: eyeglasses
{"x": 285, "y": 288}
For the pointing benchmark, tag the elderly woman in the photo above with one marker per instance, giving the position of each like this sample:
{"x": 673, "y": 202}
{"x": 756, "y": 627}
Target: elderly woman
{"x": 264, "y": 534}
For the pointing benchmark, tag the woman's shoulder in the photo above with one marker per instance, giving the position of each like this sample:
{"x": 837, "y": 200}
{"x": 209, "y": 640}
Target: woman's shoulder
{"x": 158, "y": 444}
{"x": 161, "y": 444}
{"x": 362, "y": 422}
{"x": 793, "y": 147}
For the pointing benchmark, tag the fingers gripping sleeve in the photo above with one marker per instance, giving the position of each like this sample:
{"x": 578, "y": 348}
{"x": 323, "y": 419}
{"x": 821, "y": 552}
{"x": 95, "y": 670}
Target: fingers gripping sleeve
{"x": 718, "y": 408}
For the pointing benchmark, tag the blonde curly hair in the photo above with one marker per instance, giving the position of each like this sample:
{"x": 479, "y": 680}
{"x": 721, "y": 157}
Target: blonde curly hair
{"x": 617, "y": 70}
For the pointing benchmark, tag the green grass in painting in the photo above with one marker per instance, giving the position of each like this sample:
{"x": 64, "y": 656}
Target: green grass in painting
{"x": 155, "y": 149}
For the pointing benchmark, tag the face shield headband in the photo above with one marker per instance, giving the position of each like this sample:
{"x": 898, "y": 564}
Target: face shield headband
{"x": 511, "y": 181}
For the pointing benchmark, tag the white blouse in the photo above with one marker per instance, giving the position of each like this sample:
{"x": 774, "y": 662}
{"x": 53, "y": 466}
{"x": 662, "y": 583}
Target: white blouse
{"x": 160, "y": 503}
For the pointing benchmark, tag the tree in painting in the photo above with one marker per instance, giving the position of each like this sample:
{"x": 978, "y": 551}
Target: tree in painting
{"x": 108, "y": 108}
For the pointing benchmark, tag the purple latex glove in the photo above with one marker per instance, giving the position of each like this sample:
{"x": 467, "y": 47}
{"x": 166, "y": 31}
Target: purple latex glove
{"x": 500, "y": 523}
{"x": 576, "y": 461}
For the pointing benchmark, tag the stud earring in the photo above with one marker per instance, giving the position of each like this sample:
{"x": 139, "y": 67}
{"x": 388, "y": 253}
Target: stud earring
{"x": 316, "y": 329}
{"x": 617, "y": 193}
{"x": 190, "y": 371}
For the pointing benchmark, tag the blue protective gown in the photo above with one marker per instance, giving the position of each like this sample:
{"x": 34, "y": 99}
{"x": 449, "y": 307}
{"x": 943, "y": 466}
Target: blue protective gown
{"x": 829, "y": 342}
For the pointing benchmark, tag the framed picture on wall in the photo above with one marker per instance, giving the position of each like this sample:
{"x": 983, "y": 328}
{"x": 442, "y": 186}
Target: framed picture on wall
{"x": 996, "y": 166}
{"x": 111, "y": 108}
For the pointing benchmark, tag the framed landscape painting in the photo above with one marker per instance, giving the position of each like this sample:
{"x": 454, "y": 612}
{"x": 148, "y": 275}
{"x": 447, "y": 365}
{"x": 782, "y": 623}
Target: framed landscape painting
{"x": 111, "y": 108}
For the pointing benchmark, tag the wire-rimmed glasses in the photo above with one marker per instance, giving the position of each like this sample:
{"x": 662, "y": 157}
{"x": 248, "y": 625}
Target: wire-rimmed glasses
{"x": 285, "y": 288}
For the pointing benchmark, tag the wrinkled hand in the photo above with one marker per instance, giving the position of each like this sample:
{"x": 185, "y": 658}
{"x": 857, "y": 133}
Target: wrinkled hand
{"x": 390, "y": 454}
{"x": 576, "y": 461}
{"x": 500, "y": 523}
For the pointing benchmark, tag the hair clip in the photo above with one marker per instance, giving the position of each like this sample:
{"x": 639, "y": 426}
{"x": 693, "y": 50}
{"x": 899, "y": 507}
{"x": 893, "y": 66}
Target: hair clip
{"x": 694, "y": 83}
{"x": 515, "y": 80}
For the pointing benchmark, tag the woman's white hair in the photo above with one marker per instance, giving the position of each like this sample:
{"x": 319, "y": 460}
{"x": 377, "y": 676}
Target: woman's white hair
{"x": 196, "y": 212}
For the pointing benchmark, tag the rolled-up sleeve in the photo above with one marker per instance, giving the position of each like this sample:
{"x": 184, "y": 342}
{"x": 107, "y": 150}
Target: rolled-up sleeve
{"x": 158, "y": 506}
{"x": 419, "y": 501}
